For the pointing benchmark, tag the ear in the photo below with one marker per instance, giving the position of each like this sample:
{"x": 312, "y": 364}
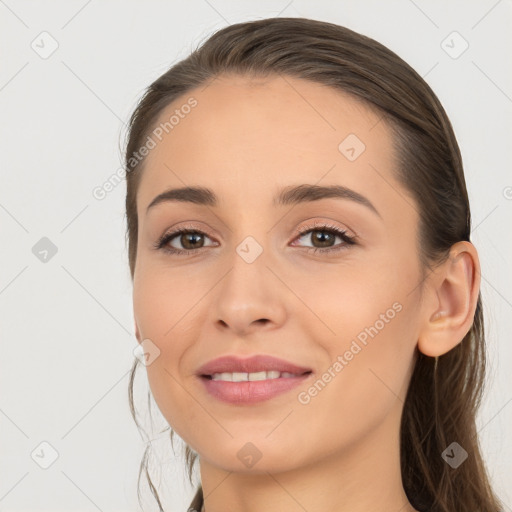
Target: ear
{"x": 449, "y": 314}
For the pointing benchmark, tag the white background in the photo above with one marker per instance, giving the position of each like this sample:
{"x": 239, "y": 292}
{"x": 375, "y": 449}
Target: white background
{"x": 66, "y": 325}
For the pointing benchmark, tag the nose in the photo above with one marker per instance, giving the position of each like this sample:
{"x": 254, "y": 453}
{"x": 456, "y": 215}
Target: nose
{"x": 249, "y": 298}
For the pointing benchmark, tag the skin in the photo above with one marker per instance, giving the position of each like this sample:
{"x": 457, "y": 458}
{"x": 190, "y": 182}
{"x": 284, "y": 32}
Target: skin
{"x": 246, "y": 139}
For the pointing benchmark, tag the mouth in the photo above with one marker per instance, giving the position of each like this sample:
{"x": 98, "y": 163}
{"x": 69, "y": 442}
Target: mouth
{"x": 253, "y": 376}
{"x": 245, "y": 389}
{"x": 245, "y": 381}
{"x": 254, "y": 367}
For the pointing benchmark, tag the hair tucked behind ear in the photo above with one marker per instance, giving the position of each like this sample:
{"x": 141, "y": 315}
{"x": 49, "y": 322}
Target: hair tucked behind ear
{"x": 442, "y": 398}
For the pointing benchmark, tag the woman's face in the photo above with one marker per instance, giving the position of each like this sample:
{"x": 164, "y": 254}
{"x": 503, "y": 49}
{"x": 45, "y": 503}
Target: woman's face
{"x": 250, "y": 284}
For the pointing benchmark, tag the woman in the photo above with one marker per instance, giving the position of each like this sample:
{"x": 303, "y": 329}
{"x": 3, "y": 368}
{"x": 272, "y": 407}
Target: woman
{"x": 305, "y": 290}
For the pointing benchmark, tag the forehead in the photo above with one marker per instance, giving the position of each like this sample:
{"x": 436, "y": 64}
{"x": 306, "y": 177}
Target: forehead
{"x": 245, "y": 138}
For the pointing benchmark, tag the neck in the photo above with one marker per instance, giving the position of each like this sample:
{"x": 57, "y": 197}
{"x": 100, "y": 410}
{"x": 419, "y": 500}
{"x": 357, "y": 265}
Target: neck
{"x": 366, "y": 477}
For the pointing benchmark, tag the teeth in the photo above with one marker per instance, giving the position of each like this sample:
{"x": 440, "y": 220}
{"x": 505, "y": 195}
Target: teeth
{"x": 241, "y": 377}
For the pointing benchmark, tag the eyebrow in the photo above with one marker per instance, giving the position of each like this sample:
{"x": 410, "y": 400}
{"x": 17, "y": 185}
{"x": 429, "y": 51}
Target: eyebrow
{"x": 291, "y": 195}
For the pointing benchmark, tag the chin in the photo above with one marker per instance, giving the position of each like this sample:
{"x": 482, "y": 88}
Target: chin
{"x": 252, "y": 457}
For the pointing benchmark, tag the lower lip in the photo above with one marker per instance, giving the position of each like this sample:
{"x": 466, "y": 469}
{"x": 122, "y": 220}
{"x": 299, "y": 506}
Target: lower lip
{"x": 250, "y": 392}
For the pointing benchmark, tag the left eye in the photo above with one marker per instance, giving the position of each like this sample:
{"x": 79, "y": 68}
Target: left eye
{"x": 317, "y": 234}
{"x": 190, "y": 240}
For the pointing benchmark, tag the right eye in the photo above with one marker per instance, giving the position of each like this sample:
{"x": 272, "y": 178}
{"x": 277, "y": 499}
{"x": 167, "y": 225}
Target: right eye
{"x": 189, "y": 239}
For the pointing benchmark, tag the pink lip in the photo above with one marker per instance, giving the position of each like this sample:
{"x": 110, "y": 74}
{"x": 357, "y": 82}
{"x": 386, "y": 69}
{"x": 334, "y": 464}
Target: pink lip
{"x": 251, "y": 392}
{"x": 258, "y": 363}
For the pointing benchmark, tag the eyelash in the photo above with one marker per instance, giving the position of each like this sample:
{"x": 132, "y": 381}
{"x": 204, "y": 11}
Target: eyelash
{"x": 161, "y": 243}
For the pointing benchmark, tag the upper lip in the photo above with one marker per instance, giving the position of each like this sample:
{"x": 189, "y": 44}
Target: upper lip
{"x": 257, "y": 363}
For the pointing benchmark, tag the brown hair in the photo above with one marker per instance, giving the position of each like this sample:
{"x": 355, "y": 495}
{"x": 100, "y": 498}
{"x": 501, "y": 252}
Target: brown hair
{"x": 444, "y": 393}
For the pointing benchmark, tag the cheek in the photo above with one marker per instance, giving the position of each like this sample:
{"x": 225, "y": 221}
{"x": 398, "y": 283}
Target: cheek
{"x": 364, "y": 385}
{"x": 369, "y": 346}
{"x": 370, "y": 326}
{"x": 165, "y": 308}
{"x": 164, "y": 300}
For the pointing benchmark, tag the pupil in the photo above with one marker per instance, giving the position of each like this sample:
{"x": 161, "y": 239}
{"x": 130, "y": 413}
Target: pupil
{"x": 191, "y": 238}
{"x": 323, "y": 237}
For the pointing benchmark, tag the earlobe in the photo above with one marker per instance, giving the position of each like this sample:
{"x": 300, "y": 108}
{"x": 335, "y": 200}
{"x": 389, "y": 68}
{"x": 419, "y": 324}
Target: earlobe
{"x": 454, "y": 292}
